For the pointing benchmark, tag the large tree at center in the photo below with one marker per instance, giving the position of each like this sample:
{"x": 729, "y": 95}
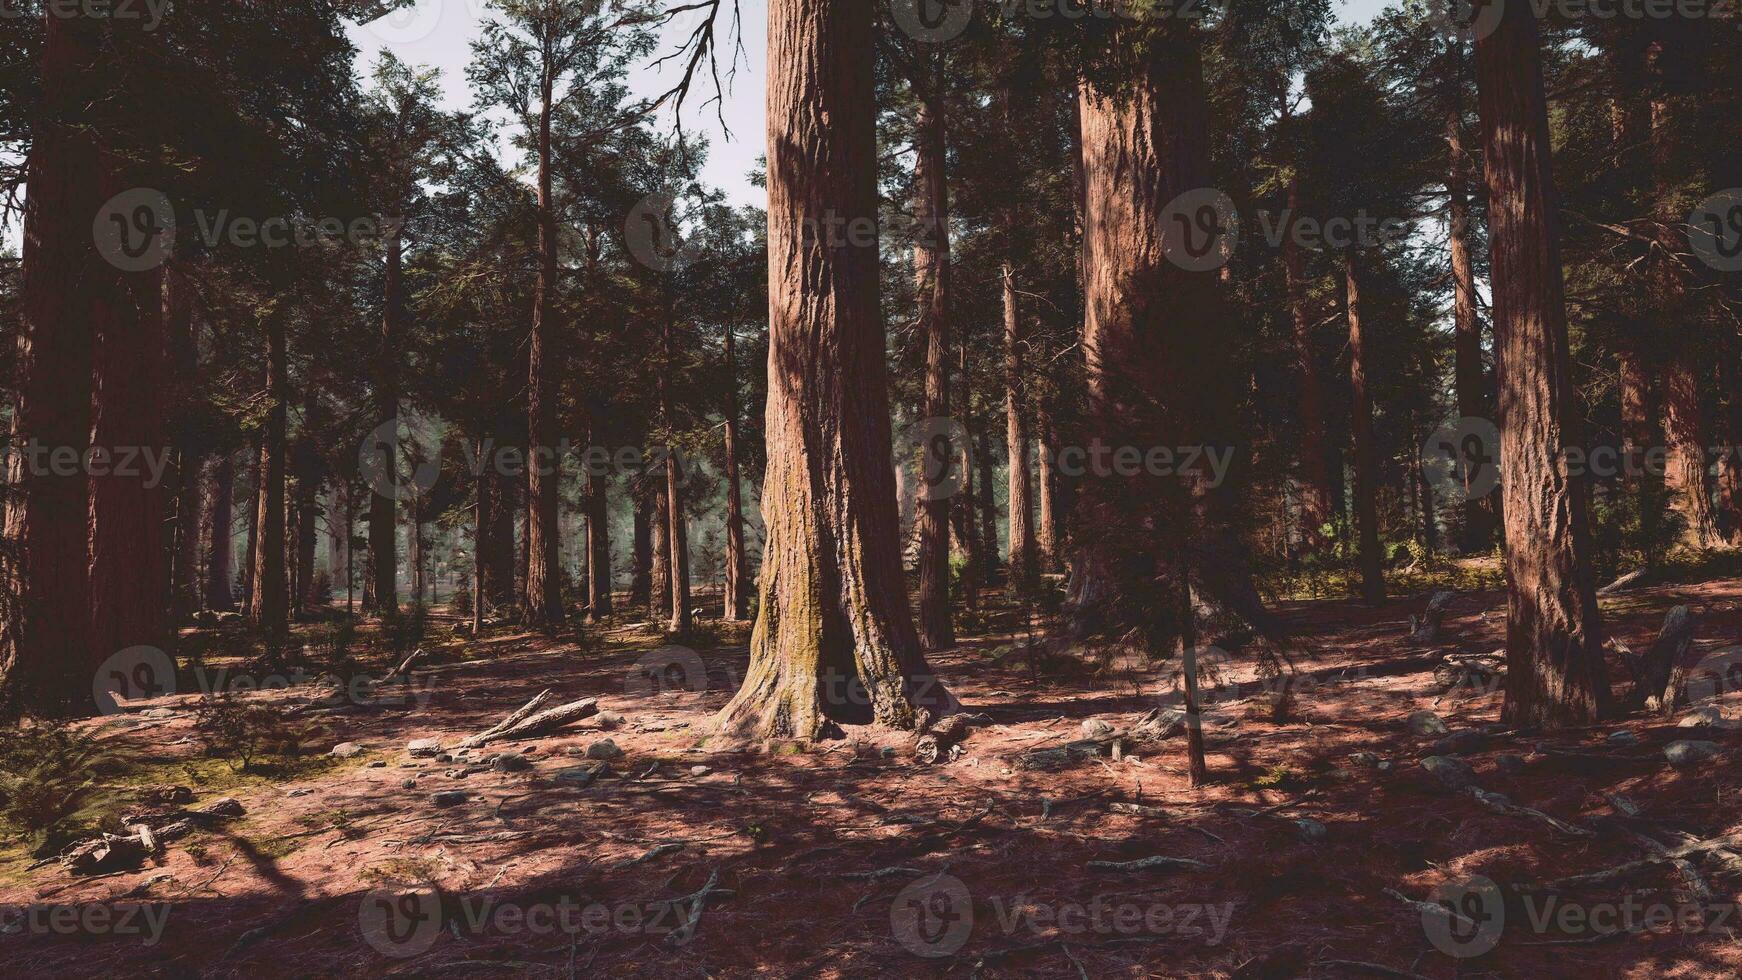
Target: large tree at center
{"x": 834, "y": 640}
{"x": 1555, "y": 674}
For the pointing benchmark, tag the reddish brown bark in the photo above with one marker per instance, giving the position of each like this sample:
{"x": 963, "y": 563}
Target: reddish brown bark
{"x": 659, "y": 600}
{"x": 1555, "y": 676}
{"x": 834, "y": 638}
{"x": 382, "y": 594}
{"x": 1687, "y": 470}
{"x": 1047, "y": 489}
{"x": 598, "y": 548}
{"x": 1371, "y": 556}
{"x": 1469, "y": 373}
{"x": 1024, "y": 561}
{"x": 1317, "y": 507}
{"x": 219, "y": 522}
{"x": 931, "y": 270}
{"x": 737, "y": 599}
{"x": 269, "y": 605}
{"x": 1637, "y": 412}
{"x": 544, "y": 600}
{"x": 641, "y": 574}
{"x": 46, "y": 658}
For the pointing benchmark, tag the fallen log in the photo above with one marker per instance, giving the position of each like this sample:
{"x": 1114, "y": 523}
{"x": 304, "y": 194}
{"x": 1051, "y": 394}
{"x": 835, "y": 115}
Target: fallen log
{"x": 536, "y": 724}
{"x": 404, "y": 668}
{"x": 515, "y": 717}
{"x": 1660, "y": 676}
{"x": 1426, "y": 630}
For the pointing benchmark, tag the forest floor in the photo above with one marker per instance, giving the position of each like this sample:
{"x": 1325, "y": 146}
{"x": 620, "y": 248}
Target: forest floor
{"x": 852, "y": 859}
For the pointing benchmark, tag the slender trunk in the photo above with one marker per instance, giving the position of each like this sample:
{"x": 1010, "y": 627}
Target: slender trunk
{"x": 1372, "y": 558}
{"x": 931, "y": 269}
{"x": 834, "y": 639}
{"x": 660, "y": 599}
{"x": 962, "y": 538}
{"x": 414, "y": 548}
{"x": 1685, "y": 475}
{"x": 189, "y": 462}
{"x": 1637, "y": 412}
{"x": 269, "y": 607}
{"x": 544, "y": 600}
{"x": 1556, "y": 676}
{"x": 599, "y": 547}
{"x": 737, "y": 603}
{"x": 1023, "y": 557}
{"x": 988, "y": 508}
{"x": 679, "y": 538}
{"x": 505, "y": 504}
{"x": 1470, "y": 374}
{"x": 308, "y": 493}
{"x": 1317, "y": 510}
{"x": 46, "y": 658}
{"x": 253, "y": 516}
{"x": 220, "y": 523}
{"x": 1730, "y": 467}
{"x": 382, "y": 594}
{"x": 641, "y": 574}
{"x": 1047, "y": 489}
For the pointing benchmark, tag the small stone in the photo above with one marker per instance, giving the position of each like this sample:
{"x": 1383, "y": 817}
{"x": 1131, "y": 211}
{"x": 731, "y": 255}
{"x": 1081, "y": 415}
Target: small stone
{"x": 300, "y": 791}
{"x": 888, "y": 752}
{"x": 1460, "y": 743}
{"x": 1311, "y": 830}
{"x": 604, "y": 749}
{"x": 408, "y": 784}
{"x": 1427, "y": 723}
{"x": 159, "y": 713}
{"x": 378, "y": 764}
{"x": 1455, "y": 774}
{"x": 448, "y": 797}
{"x": 608, "y": 720}
{"x": 700, "y": 770}
{"x": 347, "y": 750}
{"x": 580, "y": 777}
{"x": 424, "y": 748}
{"x": 1365, "y": 760}
{"x": 1510, "y": 764}
{"x": 512, "y": 763}
{"x": 1686, "y": 754}
{"x": 1623, "y": 739}
{"x": 1702, "y": 718}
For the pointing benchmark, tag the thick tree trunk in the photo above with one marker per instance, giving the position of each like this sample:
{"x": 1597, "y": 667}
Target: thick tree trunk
{"x": 931, "y": 269}
{"x": 219, "y": 525}
{"x": 1371, "y": 555}
{"x": 641, "y": 573}
{"x": 737, "y": 600}
{"x": 1685, "y": 475}
{"x": 1024, "y": 562}
{"x": 1556, "y": 676}
{"x": 46, "y": 657}
{"x": 544, "y": 599}
{"x": 834, "y": 639}
{"x": 269, "y": 606}
{"x": 1317, "y": 509}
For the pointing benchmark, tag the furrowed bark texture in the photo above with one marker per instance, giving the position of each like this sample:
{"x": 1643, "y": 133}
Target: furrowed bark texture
{"x": 931, "y": 270}
{"x": 834, "y": 639}
{"x": 1556, "y": 676}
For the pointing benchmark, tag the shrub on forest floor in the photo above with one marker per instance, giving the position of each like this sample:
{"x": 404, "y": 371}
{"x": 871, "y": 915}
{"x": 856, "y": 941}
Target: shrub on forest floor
{"x": 232, "y": 727}
{"x": 46, "y": 776}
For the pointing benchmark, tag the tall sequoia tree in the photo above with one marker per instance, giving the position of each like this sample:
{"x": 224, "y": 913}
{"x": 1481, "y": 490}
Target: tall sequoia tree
{"x": 1555, "y": 674}
{"x": 834, "y": 640}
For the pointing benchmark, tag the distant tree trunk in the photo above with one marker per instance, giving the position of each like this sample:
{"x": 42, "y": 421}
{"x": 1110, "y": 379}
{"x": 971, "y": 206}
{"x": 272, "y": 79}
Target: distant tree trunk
{"x": 46, "y": 656}
{"x": 641, "y": 574}
{"x": 382, "y": 594}
{"x": 1687, "y": 469}
{"x": 1047, "y": 489}
{"x": 307, "y": 506}
{"x": 834, "y": 639}
{"x": 1730, "y": 467}
{"x": 660, "y": 606}
{"x": 599, "y": 547}
{"x": 338, "y": 537}
{"x": 1556, "y": 676}
{"x": 414, "y": 548}
{"x": 1023, "y": 553}
{"x": 1317, "y": 509}
{"x": 1637, "y": 412}
{"x": 503, "y": 564}
{"x": 257, "y": 486}
{"x": 220, "y": 521}
{"x": 483, "y": 532}
{"x": 679, "y": 539}
{"x": 544, "y": 598}
{"x": 185, "y": 475}
{"x": 931, "y": 270}
{"x": 737, "y": 600}
{"x": 268, "y": 606}
{"x": 988, "y": 508}
{"x": 964, "y": 541}
{"x": 1470, "y": 374}
{"x": 1372, "y": 557}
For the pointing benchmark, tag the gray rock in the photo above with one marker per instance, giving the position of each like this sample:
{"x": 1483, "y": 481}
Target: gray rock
{"x": 1687, "y": 754}
{"x": 300, "y": 791}
{"x": 1096, "y": 728}
{"x": 604, "y": 749}
{"x": 1454, "y": 774}
{"x": 1510, "y": 764}
{"x": 377, "y": 764}
{"x": 1623, "y": 739}
{"x": 581, "y": 777}
{"x": 1428, "y": 723}
{"x": 347, "y": 750}
{"x": 424, "y": 748}
{"x": 1707, "y": 717}
{"x": 1311, "y": 830}
{"x": 608, "y": 720}
{"x": 700, "y": 770}
{"x": 1461, "y": 742}
{"x": 512, "y": 763}
{"x": 158, "y": 713}
{"x": 408, "y": 784}
{"x": 1365, "y": 760}
{"x": 448, "y": 797}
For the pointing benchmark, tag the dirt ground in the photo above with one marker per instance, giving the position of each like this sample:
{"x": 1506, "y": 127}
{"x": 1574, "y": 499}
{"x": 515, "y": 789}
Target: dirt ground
{"x": 851, "y": 859}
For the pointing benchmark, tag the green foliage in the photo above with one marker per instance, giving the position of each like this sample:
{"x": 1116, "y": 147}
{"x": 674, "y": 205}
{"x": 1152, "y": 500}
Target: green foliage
{"x": 403, "y": 633}
{"x": 46, "y": 775}
{"x": 230, "y": 726}
{"x": 1633, "y": 530}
